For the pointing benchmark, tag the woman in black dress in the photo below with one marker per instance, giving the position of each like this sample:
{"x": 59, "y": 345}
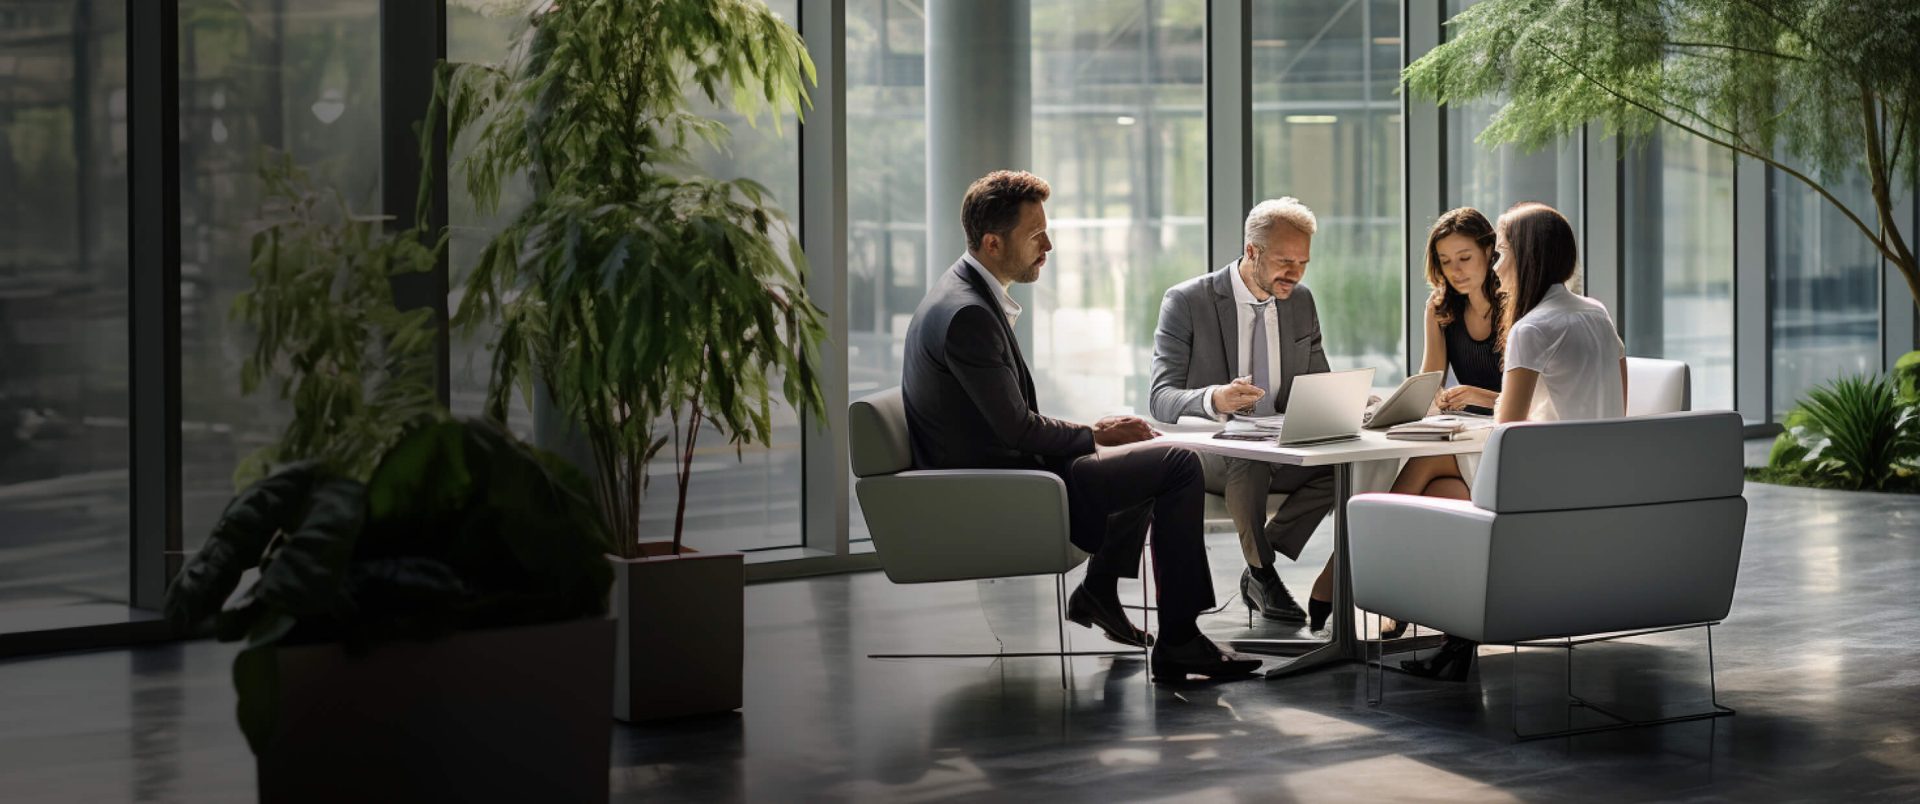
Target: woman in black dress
{"x": 1462, "y": 315}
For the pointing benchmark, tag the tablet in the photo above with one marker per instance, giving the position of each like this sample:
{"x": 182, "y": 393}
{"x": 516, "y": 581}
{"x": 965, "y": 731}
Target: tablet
{"x": 1408, "y": 402}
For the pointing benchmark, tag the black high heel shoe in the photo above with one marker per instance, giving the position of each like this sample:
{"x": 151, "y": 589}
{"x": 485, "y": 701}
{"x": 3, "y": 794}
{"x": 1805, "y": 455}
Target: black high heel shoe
{"x": 1399, "y": 627}
{"x": 1452, "y": 663}
{"x": 1317, "y": 613}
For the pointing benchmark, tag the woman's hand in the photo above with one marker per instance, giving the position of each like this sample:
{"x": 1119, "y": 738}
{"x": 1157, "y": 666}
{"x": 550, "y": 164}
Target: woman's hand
{"x": 1461, "y": 396}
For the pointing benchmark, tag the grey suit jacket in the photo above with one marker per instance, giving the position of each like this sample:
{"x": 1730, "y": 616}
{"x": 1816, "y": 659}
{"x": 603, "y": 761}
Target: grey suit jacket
{"x": 969, "y": 396}
{"x": 1197, "y": 344}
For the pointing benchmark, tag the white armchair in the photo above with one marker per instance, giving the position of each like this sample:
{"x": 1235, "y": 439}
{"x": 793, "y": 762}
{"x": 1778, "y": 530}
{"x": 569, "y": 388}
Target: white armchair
{"x": 1658, "y": 386}
{"x": 1575, "y": 528}
{"x": 957, "y": 524}
{"x": 952, "y": 524}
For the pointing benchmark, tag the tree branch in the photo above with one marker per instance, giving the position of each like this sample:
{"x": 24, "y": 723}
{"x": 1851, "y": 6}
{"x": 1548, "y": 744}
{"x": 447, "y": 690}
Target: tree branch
{"x": 1895, "y": 247}
{"x": 1787, "y": 24}
{"x": 1719, "y": 46}
{"x": 1752, "y": 152}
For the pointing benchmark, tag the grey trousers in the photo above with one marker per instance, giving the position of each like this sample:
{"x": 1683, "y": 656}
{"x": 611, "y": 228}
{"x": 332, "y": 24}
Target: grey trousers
{"x": 1309, "y": 491}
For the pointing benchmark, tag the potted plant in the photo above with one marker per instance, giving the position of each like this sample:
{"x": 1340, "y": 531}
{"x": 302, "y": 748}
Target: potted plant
{"x": 435, "y": 632}
{"x": 639, "y": 295}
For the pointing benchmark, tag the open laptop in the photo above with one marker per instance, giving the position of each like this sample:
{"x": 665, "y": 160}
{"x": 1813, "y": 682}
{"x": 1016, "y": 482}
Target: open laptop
{"x": 1324, "y": 408}
{"x": 1407, "y": 403}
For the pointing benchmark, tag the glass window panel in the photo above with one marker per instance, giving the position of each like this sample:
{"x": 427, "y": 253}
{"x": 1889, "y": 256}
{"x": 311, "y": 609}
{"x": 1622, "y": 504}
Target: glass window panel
{"x": 886, "y": 192}
{"x": 303, "y": 78}
{"x": 1676, "y": 227}
{"x": 1493, "y": 179}
{"x": 1826, "y": 288}
{"x": 1326, "y": 130}
{"x": 1119, "y": 130}
{"x": 63, "y": 308}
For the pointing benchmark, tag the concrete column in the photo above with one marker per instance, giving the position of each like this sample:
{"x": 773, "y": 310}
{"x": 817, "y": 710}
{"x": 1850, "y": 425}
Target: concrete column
{"x": 979, "y": 114}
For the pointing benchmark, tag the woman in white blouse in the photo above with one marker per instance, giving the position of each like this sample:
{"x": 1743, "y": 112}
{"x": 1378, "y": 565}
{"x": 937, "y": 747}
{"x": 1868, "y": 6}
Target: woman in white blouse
{"x": 1563, "y": 360}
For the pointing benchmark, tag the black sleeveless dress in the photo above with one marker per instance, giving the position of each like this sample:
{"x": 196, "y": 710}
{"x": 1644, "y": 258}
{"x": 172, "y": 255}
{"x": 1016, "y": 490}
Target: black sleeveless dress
{"x": 1474, "y": 362}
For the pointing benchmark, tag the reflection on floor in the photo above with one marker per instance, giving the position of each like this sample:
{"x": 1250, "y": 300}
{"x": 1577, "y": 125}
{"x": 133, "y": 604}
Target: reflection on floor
{"x": 1818, "y": 657}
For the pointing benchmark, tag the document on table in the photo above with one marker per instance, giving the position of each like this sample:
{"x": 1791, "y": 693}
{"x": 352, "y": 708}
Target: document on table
{"x": 1442, "y": 428}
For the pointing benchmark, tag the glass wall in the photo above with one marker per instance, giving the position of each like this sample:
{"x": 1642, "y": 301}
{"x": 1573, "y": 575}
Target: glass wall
{"x": 1676, "y": 233}
{"x": 1119, "y": 130}
{"x": 63, "y": 308}
{"x": 1326, "y": 129}
{"x": 303, "y": 78}
{"x": 886, "y": 192}
{"x": 1493, "y": 179}
{"x": 1826, "y": 288}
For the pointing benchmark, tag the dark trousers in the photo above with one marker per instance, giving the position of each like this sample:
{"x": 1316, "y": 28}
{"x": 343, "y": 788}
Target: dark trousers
{"x": 1114, "y": 495}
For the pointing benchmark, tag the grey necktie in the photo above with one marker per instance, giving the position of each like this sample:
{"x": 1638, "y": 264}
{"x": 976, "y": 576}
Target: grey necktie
{"x": 1258, "y": 349}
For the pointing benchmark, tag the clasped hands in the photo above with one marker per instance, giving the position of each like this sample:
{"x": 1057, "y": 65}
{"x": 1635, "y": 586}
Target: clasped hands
{"x": 1460, "y": 397}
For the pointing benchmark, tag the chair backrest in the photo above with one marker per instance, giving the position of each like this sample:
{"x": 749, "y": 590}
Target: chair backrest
{"x": 1559, "y": 466}
{"x": 1658, "y": 386}
{"x": 877, "y": 434}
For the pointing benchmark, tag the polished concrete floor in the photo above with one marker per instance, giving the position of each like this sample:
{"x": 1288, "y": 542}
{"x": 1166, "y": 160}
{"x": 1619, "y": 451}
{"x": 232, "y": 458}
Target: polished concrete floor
{"x": 1821, "y": 657}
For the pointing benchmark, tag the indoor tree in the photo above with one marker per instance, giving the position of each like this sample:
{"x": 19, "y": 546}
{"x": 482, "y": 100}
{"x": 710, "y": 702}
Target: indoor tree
{"x": 1818, "y": 89}
{"x": 631, "y": 287}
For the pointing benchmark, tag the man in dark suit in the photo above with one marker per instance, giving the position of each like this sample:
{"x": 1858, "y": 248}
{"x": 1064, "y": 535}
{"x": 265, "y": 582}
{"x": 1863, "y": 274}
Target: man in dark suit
{"x": 1232, "y": 341}
{"x": 971, "y": 405}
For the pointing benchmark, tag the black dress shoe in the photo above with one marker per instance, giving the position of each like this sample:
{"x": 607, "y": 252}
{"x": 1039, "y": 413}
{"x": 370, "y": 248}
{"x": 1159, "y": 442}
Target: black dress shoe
{"x": 1450, "y": 664}
{"x": 1269, "y": 597}
{"x": 1197, "y": 657}
{"x": 1083, "y": 608}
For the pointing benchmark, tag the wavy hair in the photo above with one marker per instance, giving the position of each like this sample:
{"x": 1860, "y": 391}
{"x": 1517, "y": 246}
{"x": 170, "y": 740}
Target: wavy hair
{"x": 1446, "y": 303}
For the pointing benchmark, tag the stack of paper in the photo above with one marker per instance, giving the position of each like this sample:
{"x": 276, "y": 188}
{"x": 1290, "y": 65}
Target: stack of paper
{"x": 1442, "y": 428}
{"x": 1249, "y": 424}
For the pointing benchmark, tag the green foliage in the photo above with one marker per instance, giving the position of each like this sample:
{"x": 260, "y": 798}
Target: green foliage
{"x": 1855, "y": 432}
{"x": 1906, "y": 376}
{"x": 460, "y": 526}
{"x": 328, "y": 336}
{"x": 631, "y": 287}
{"x": 1816, "y": 88}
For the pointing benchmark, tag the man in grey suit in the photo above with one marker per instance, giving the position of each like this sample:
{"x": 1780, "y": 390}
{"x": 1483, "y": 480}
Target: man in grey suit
{"x": 1231, "y": 342}
{"x": 971, "y": 404}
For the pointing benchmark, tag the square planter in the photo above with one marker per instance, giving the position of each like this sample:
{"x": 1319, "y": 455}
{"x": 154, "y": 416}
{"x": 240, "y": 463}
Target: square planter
{"x": 681, "y": 646}
{"x": 506, "y": 714}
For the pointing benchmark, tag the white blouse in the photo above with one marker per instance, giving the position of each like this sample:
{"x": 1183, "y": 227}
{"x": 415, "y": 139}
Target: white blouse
{"x": 1571, "y": 341}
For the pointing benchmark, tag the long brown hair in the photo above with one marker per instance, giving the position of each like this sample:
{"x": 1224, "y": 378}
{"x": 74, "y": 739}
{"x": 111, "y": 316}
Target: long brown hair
{"x": 1446, "y": 303}
{"x": 1540, "y": 242}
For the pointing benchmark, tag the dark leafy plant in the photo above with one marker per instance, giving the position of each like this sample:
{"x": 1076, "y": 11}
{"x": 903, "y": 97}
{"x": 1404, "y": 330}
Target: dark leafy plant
{"x": 329, "y": 339}
{"x": 1855, "y": 432}
{"x": 1820, "y": 90}
{"x": 631, "y": 287}
{"x": 459, "y": 526}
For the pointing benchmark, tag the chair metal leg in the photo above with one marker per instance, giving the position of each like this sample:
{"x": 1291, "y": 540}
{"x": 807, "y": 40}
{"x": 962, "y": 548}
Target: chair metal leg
{"x": 1060, "y": 621}
{"x": 1618, "y": 721}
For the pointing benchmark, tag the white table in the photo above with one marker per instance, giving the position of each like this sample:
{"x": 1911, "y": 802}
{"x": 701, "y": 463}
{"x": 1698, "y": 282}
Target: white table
{"x": 1344, "y": 645}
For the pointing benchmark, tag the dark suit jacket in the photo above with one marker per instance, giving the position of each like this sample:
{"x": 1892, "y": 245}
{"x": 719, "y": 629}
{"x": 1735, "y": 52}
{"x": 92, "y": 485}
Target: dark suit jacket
{"x": 1198, "y": 343}
{"x": 969, "y": 397}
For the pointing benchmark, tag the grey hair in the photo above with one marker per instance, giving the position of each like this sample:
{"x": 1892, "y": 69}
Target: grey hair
{"x": 1285, "y": 209}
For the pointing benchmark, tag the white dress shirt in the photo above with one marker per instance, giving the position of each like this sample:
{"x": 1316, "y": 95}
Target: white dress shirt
{"x": 1006, "y": 301}
{"x": 1243, "y": 302}
{"x": 1571, "y": 341}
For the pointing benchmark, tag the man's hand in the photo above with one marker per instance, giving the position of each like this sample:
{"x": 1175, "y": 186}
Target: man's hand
{"x": 1114, "y": 431}
{"x": 1461, "y": 396}
{"x": 1236, "y": 396}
